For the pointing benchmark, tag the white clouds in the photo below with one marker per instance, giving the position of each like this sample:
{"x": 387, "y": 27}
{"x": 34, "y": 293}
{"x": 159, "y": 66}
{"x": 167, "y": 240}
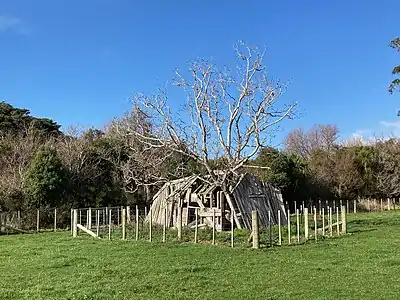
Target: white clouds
{"x": 391, "y": 129}
{"x": 385, "y": 130}
{"x": 391, "y": 124}
{"x": 369, "y": 136}
{"x": 360, "y": 133}
{"x": 360, "y": 137}
{"x": 12, "y": 23}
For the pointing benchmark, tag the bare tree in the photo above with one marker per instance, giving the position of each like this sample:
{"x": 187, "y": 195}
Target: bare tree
{"x": 142, "y": 167}
{"x": 388, "y": 172}
{"x": 347, "y": 177}
{"x": 81, "y": 157}
{"x": 16, "y": 152}
{"x": 227, "y": 116}
{"x": 305, "y": 143}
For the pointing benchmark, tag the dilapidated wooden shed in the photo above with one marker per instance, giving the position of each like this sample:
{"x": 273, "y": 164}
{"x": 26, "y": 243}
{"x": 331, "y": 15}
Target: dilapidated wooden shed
{"x": 193, "y": 194}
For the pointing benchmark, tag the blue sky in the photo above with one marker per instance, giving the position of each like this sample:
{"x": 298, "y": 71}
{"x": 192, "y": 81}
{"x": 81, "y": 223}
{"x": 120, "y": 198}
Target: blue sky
{"x": 78, "y": 62}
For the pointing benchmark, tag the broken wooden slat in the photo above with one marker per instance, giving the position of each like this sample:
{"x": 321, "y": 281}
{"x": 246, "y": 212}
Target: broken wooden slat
{"x": 91, "y": 233}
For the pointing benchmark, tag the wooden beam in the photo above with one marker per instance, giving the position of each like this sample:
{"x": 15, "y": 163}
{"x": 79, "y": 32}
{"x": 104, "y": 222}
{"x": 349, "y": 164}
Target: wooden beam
{"x": 195, "y": 198}
{"x": 74, "y": 223}
{"x": 91, "y": 233}
{"x": 229, "y": 200}
{"x": 215, "y": 213}
{"x": 15, "y": 229}
{"x": 254, "y": 230}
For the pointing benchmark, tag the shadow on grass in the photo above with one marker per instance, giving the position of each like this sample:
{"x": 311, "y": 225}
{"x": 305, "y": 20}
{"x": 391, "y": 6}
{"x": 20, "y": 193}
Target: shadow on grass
{"x": 375, "y": 222}
{"x": 360, "y": 230}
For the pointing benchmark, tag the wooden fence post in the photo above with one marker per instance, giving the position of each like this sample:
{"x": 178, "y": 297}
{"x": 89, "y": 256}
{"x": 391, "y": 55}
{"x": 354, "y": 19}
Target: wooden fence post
{"x": 213, "y": 226}
{"x": 279, "y": 228}
{"x": 323, "y": 222}
{"x": 355, "y": 206}
{"x": 196, "y": 228}
{"x": 269, "y": 228}
{"x": 337, "y": 221}
{"x": 74, "y": 223}
{"x": 89, "y": 225}
{"x": 344, "y": 225}
{"x": 123, "y": 224}
{"x": 232, "y": 229}
{"x": 306, "y": 223}
{"x": 315, "y": 224}
{"x": 388, "y": 206}
{"x": 55, "y": 219}
{"x": 151, "y": 226}
{"x": 381, "y": 204}
{"x": 128, "y": 215}
{"x": 97, "y": 222}
{"x": 179, "y": 225}
{"x": 37, "y": 220}
{"x": 137, "y": 224}
{"x": 118, "y": 218}
{"x": 254, "y": 227}
{"x": 330, "y": 221}
{"x": 298, "y": 225}
{"x": 109, "y": 223}
{"x": 19, "y": 219}
{"x": 165, "y": 224}
{"x": 288, "y": 226}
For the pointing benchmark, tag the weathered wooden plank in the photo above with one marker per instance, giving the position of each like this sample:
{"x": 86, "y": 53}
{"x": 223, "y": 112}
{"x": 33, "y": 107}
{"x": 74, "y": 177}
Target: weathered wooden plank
{"x": 14, "y": 228}
{"x": 248, "y": 194}
{"x": 91, "y": 233}
{"x": 232, "y": 207}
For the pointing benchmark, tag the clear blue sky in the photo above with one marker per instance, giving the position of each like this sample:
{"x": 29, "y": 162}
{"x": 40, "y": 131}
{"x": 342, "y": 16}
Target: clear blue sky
{"x": 78, "y": 62}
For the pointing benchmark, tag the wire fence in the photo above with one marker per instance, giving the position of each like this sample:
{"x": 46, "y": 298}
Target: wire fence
{"x": 136, "y": 225}
{"x": 35, "y": 220}
{"x": 351, "y": 206}
{"x": 109, "y": 223}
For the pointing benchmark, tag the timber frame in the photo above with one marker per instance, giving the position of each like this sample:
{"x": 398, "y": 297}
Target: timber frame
{"x": 190, "y": 194}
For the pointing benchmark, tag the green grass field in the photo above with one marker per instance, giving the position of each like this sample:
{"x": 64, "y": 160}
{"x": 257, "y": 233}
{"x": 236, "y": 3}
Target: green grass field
{"x": 362, "y": 265}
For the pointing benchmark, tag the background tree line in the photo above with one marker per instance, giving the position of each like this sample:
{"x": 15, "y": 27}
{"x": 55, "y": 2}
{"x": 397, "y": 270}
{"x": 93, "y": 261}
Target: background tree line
{"x": 314, "y": 165}
{"x": 42, "y": 167}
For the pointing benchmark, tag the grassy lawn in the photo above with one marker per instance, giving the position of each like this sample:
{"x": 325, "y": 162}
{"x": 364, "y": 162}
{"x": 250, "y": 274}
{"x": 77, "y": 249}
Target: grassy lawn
{"x": 362, "y": 265}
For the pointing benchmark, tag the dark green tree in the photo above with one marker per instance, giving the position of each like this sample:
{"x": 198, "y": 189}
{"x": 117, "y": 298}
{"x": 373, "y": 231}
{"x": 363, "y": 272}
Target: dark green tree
{"x": 45, "y": 180}
{"x": 17, "y": 121}
{"x": 366, "y": 159}
{"x": 93, "y": 177}
{"x": 286, "y": 171}
{"x": 395, "y": 84}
